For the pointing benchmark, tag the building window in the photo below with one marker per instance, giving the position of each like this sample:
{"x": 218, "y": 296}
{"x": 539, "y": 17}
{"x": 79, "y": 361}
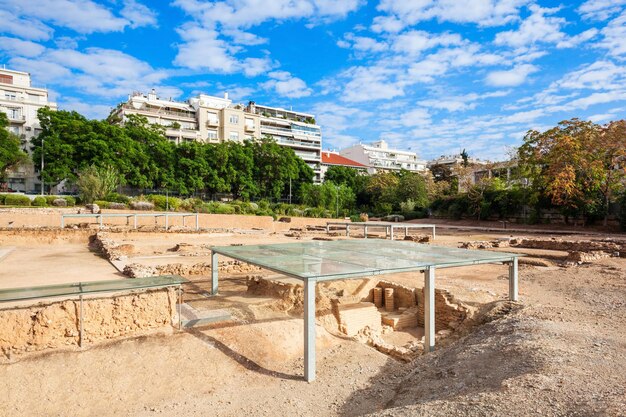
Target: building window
{"x": 10, "y": 96}
{"x": 6, "y": 79}
{"x": 212, "y": 118}
{"x": 14, "y": 129}
{"x": 233, "y": 135}
{"x": 212, "y": 135}
{"x": 14, "y": 114}
{"x": 234, "y": 119}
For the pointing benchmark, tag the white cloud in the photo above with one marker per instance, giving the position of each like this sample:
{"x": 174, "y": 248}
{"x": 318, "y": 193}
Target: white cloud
{"x": 416, "y": 117}
{"x": 482, "y": 12}
{"x": 18, "y": 47}
{"x": 615, "y": 36}
{"x": 512, "y": 77}
{"x": 24, "y": 27}
{"x": 203, "y": 50}
{"x": 95, "y": 71}
{"x": 600, "y": 9}
{"x": 536, "y": 28}
{"x": 600, "y": 75}
{"x": 83, "y": 16}
{"x": 338, "y": 122}
{"x": 460, "y": 103}
{"x": 371, "y": 83}
{"x": 362, "y": 43}
{"x": 138, "y": 14}
{"x": 415, "y": 42}
{"x": 286, "y": 85}
{"x": 89, "y": 110}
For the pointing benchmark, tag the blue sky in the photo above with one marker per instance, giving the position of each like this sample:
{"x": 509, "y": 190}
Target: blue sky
{"x": 434, "y": 76}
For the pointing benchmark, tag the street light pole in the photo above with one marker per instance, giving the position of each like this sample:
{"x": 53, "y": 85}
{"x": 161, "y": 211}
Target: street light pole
{"x": 337, "y": 189}
{"x": 41, "y": 172}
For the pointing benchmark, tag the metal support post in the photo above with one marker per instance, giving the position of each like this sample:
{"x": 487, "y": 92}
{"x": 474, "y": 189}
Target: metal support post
{"x": 429, "y": 309}
{"x": 80, "y": 322}
{"x": 433, "y": 232}
{"x": 214, "y": 265}
{"x": 348, "y": 230}
{"x": 62, "y": 221}
{"x": 166, "y": 222}
{"x": 100, "y": 217}
{"x": 365, "y": 231}
{"x": 391, "y": 228}
{"x": 180, "y": 307}
{"x": 184, "y": 218}
{"x": 135, "y": 220}
{"x": 406, "y": 231}
{"x": 197, "y": 223}
{"x": 513, "y": 284}
{"x": 309, "y": 330}
{"x": 327, "y": 229}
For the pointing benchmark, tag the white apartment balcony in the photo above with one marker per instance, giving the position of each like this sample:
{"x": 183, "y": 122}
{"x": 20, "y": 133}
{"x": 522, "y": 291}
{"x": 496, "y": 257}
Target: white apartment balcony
{"x": 249, "y": 127}
{"x": 212, "y": 123}
{"x": 19, "y": 119}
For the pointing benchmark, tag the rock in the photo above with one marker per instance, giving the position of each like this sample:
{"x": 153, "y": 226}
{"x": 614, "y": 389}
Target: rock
{"x": 93, "y": 208}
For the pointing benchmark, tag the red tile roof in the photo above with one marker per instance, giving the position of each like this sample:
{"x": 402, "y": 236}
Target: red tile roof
{"x": 330, "y": 158}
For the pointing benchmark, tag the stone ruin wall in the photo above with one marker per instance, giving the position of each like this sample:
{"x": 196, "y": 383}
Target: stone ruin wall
{"x": 56, "y": 324}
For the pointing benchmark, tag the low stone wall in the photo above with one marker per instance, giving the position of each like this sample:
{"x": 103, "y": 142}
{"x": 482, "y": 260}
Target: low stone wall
{"x": 56, "y": 324}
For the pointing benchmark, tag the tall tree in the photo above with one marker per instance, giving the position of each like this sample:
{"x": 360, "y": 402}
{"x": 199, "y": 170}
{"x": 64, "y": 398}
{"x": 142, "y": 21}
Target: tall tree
{"x": 11, "y": 154}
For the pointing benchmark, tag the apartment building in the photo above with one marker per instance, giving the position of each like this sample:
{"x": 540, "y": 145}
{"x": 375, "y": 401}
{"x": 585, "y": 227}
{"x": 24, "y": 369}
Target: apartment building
{"x": 212, "y": 119}
{"x": 295, "y": 130}
{"x": 20, "y": 101}
{"x": 378, "y": 156}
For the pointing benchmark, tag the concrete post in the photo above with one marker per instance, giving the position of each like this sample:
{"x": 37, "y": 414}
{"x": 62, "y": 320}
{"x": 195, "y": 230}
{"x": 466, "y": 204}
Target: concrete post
{"x": 513, "y": 284}
{"x": 429, "y": 309}
{"x": 309, "y": 330}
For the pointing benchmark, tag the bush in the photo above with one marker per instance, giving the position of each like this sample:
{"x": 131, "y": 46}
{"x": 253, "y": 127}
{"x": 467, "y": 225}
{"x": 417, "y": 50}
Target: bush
{"x": 2, "y": 197}
{"x": 141, "y": 205}
{"x": 117, "y": 198}
{"x": 118, "y": 206}
{"x": 224, "y": 209}
{"x": 16, "y": 200}
{"x": 162, "y": 202}
{"x": 102, "y": 204}
{"x": 50, "y": 199}
{"x": 39, "y": 201}
{"x": 59, "y": 202}
{"x": 71, "y": 201}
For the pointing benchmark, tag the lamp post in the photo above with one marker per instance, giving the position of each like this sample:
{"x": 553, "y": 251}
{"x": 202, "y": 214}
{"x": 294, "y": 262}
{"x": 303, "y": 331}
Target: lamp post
{"x": 42, "y": 141}
{"x": 337, "y": 189}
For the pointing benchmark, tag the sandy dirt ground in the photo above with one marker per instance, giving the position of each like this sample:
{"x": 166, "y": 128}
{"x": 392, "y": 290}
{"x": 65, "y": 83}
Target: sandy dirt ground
{"x": 560, "y": 351}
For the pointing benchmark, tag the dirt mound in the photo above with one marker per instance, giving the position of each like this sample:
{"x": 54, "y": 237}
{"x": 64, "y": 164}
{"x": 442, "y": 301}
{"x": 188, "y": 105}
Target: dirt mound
{"x": 135, "y": 270}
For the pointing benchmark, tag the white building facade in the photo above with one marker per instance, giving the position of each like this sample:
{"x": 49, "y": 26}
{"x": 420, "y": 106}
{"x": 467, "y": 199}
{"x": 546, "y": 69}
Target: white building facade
{"x": 210, "y": 119}
{"x": 378, "y": 156}
{"x": 21, "y": 101}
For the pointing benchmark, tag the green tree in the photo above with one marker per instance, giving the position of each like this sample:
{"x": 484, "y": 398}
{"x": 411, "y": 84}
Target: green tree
{"x": 11, "y": 155}
{"x": 95, "y": 183}
{"x": 412, "y": 186}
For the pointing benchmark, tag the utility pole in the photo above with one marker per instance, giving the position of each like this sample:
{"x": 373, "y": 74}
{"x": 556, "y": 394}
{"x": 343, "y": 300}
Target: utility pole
{"x": 289, "y": 190}
{"x": 41, "y": 172}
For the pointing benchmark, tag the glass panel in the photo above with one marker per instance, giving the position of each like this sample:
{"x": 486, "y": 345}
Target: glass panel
{"x": 14, "y": 294}
{"x": 354, "y": 257}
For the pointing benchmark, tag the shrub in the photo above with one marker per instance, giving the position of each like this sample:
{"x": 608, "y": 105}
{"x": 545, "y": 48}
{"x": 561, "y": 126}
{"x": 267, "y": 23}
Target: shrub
{"x": 59, "y": 202}
{"x": 190, "y": 204}
{"x": 71, "y": 201}
{"x": 16, "y": 200}
{"x": 355, "y": 218}
{"x": 2, "y": 197}
{"x": 39, "y": 201}
{"x": 141, "y": 205}
{"x": 162, "y": 202}
{"x": 102, "y": 204}
{"x": 50, "y": 199}
{"x": 117, "y": 198}
{"x": 224, "y": 209}
{"x": 118, "y": 206}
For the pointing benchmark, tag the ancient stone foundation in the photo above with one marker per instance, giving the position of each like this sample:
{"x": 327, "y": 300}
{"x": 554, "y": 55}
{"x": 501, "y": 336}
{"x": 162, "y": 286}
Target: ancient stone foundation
{"x": 56, "y": 324}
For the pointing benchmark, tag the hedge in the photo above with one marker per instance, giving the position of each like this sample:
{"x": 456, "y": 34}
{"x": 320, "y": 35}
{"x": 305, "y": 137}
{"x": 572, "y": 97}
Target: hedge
{"x": 39, "y": 201}
{"x": 16, "y": 200}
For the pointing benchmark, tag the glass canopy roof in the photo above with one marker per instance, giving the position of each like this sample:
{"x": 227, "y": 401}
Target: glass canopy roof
{"x": 80, "y": 288}
{"x": 353, "y": 258}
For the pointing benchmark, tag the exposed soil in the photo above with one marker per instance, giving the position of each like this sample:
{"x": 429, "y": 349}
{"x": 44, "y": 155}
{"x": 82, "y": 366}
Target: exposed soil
{"x": 560, "y": 351}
